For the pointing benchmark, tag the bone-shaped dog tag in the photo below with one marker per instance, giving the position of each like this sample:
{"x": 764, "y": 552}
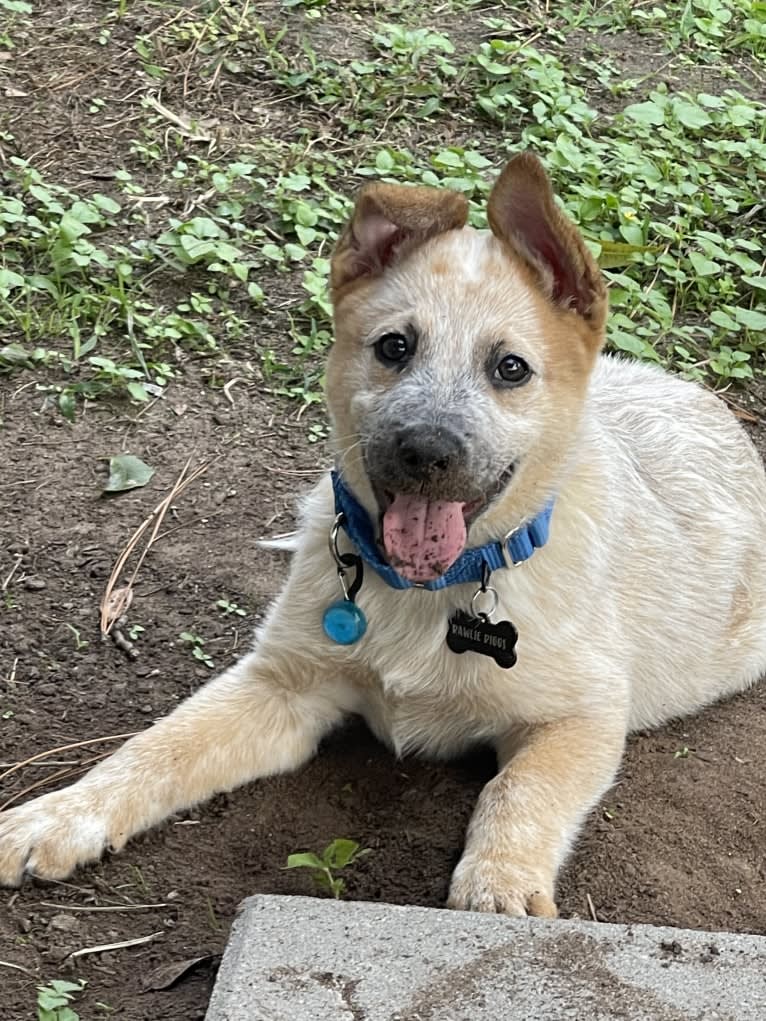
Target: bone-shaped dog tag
{"x": 477, "y": 634}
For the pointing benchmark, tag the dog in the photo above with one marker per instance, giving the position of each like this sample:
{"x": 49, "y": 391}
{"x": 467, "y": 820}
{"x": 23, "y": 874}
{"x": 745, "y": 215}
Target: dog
{"x": 524, "y": 542}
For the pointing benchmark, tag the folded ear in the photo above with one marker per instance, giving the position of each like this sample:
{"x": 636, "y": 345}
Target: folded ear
{"x": 388, "y": 221}
{"x": 523, "y": 213}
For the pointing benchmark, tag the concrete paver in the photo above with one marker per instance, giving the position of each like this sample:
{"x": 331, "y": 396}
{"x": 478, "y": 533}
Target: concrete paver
{"x": 304, "y": 959}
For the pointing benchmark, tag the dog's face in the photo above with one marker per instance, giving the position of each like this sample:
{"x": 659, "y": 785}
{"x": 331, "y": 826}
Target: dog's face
{"x": 461, "y": 361}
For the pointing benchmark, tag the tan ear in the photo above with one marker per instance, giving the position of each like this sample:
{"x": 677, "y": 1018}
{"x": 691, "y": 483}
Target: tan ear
{"x": 388, "y": 221}
{"x": 523, "y": 213}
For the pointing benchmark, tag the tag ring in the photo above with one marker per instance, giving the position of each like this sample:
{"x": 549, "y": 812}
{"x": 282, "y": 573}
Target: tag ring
{"x": 334, "y": 552}
{"x": 485, "y": 591}
{"x": 344, "y": 561}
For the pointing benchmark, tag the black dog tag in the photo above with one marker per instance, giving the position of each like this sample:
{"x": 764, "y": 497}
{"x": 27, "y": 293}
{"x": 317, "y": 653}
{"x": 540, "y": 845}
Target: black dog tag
{"x": 476, "y": 634}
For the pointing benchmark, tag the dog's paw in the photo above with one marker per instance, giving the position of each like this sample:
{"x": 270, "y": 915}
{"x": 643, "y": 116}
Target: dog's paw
{"x": 493, "y": 885}
{"x": 50, "y": 836}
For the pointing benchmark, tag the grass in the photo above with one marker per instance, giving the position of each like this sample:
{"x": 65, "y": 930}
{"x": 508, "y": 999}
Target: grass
{"x": 207, "y": 248}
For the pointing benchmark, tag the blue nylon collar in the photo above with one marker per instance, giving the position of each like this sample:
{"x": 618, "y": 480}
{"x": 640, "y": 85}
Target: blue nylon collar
{"x": 469, "y": 567}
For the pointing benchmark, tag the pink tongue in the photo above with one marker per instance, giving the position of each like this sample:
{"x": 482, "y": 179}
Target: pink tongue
{"x": 423, "y": 539}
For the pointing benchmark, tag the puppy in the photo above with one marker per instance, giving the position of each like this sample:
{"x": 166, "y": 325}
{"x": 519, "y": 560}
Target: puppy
{"x": 496, "y": 477}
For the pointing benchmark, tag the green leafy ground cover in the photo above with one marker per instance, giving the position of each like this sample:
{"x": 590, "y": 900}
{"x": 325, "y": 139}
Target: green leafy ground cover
{"x": 207, "y": 241}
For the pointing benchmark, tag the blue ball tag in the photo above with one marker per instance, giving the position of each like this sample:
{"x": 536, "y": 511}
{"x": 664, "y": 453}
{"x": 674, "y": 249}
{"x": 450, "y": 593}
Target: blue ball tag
{"x": 344, "y": 622}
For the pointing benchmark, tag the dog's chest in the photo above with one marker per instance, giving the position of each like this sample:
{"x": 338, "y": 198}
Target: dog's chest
{"x": 427, "y": 719}
{"x": 429, "y": 698}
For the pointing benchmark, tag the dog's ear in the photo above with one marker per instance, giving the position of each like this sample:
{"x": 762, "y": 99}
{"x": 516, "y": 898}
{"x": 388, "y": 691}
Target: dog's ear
{"x": 523, "y": 213}
{"x": 389, "y": 220}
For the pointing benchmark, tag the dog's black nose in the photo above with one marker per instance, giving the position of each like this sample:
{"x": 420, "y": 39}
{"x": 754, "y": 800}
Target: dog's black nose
{"x": 425, "y": 453}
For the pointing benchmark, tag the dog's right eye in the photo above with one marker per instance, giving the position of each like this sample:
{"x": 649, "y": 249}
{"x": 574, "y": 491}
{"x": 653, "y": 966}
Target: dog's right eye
{"x": 394, "y": 348}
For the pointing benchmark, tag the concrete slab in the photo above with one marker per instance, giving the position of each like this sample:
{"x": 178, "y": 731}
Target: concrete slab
{"x": 302, "y": 959}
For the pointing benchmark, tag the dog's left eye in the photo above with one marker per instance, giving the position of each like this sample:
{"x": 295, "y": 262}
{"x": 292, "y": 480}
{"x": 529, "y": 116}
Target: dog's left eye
{"x": 394, "y": 348}
{"x": 512, "y": 370}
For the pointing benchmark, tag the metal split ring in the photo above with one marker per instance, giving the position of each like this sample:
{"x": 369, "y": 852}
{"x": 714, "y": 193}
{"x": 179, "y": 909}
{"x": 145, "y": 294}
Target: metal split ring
{"x": 334, "y": 551}
{"x": 345, "y": 562}
{"x": 486, "y": 590}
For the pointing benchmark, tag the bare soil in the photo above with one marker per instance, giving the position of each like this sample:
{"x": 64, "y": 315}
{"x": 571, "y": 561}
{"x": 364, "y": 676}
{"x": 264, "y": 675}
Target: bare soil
{"x": 678, "y": 841}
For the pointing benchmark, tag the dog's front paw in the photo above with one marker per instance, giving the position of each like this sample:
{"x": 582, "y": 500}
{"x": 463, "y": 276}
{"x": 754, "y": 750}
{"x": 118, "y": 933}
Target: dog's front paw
{"x": 492, "y": 884}
{"x": 51, "y": 835}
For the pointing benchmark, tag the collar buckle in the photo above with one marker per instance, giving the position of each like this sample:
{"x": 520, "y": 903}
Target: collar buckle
{"x": 506, "y": 544}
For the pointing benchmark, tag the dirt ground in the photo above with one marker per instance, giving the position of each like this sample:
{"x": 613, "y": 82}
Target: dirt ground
{"x": 678, "y": 841}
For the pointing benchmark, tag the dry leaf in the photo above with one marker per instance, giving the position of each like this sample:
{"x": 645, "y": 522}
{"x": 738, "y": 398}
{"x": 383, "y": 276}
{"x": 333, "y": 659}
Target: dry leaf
{"x": 745, "y": 416}
{"x": 126, "y": 471}
{"x": 168, "y": 974}
{"x": 118, "y": 603}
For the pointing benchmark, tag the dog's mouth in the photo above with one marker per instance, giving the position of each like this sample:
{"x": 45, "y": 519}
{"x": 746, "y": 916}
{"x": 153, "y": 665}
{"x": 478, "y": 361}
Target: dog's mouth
{"x": 422, "y": 538}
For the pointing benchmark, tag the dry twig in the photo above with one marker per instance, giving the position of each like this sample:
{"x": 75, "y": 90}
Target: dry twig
{"x": 113, "y": 608}
{"x": 591, "y": 907}
{"x": 64, "y": 748}
{"x": 16, "y": 563}
{"x": 16, "y": 967}
{"x": 115, "y": 946}
{"x": 63, "y": 906}
{"x": 62, "y": 774}
{"x": 182, "y": 123}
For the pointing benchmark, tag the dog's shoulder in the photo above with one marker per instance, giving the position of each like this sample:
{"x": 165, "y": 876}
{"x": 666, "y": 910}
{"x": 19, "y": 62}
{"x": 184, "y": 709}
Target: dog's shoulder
{"x": 663, "y": 417}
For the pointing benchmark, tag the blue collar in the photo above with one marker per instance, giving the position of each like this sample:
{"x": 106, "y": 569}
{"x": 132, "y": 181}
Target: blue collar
{"x": 513, "y": 549}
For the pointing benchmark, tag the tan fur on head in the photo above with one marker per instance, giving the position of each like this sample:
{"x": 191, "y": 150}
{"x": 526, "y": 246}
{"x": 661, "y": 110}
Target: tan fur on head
{"x": 388, "y": 221}
{"x": 530, "y": 287}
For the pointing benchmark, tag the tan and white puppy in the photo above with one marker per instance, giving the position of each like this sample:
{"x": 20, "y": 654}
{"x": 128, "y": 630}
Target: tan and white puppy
{"x": 466, "y": 391}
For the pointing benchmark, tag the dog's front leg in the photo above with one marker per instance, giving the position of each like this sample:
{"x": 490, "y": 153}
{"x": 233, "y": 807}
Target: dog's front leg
{"x": 265, "y": 715}
{"x": 529, "y": 814}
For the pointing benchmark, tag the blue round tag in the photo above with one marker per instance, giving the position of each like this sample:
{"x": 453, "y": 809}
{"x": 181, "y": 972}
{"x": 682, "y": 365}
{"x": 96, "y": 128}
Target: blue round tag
{"x": 344, "y": 622}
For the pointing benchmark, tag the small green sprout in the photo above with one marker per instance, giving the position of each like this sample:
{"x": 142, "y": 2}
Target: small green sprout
{"x": 80, "y": 643}
{"x": 336, "y": 856}
{"x": 197, "y": 649}
{"x": 227, "y": 606}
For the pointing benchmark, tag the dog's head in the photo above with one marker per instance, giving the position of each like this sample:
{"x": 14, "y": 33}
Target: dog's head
{"x": 461, "y": 360}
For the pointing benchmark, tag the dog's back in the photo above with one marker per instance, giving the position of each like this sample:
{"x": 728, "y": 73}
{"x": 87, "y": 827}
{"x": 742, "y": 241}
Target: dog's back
{"x": 687, "y": 525}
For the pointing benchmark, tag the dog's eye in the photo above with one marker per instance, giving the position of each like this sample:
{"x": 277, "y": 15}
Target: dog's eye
{"x": 512, "y": 370}
{"x": 394, "y": 348}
